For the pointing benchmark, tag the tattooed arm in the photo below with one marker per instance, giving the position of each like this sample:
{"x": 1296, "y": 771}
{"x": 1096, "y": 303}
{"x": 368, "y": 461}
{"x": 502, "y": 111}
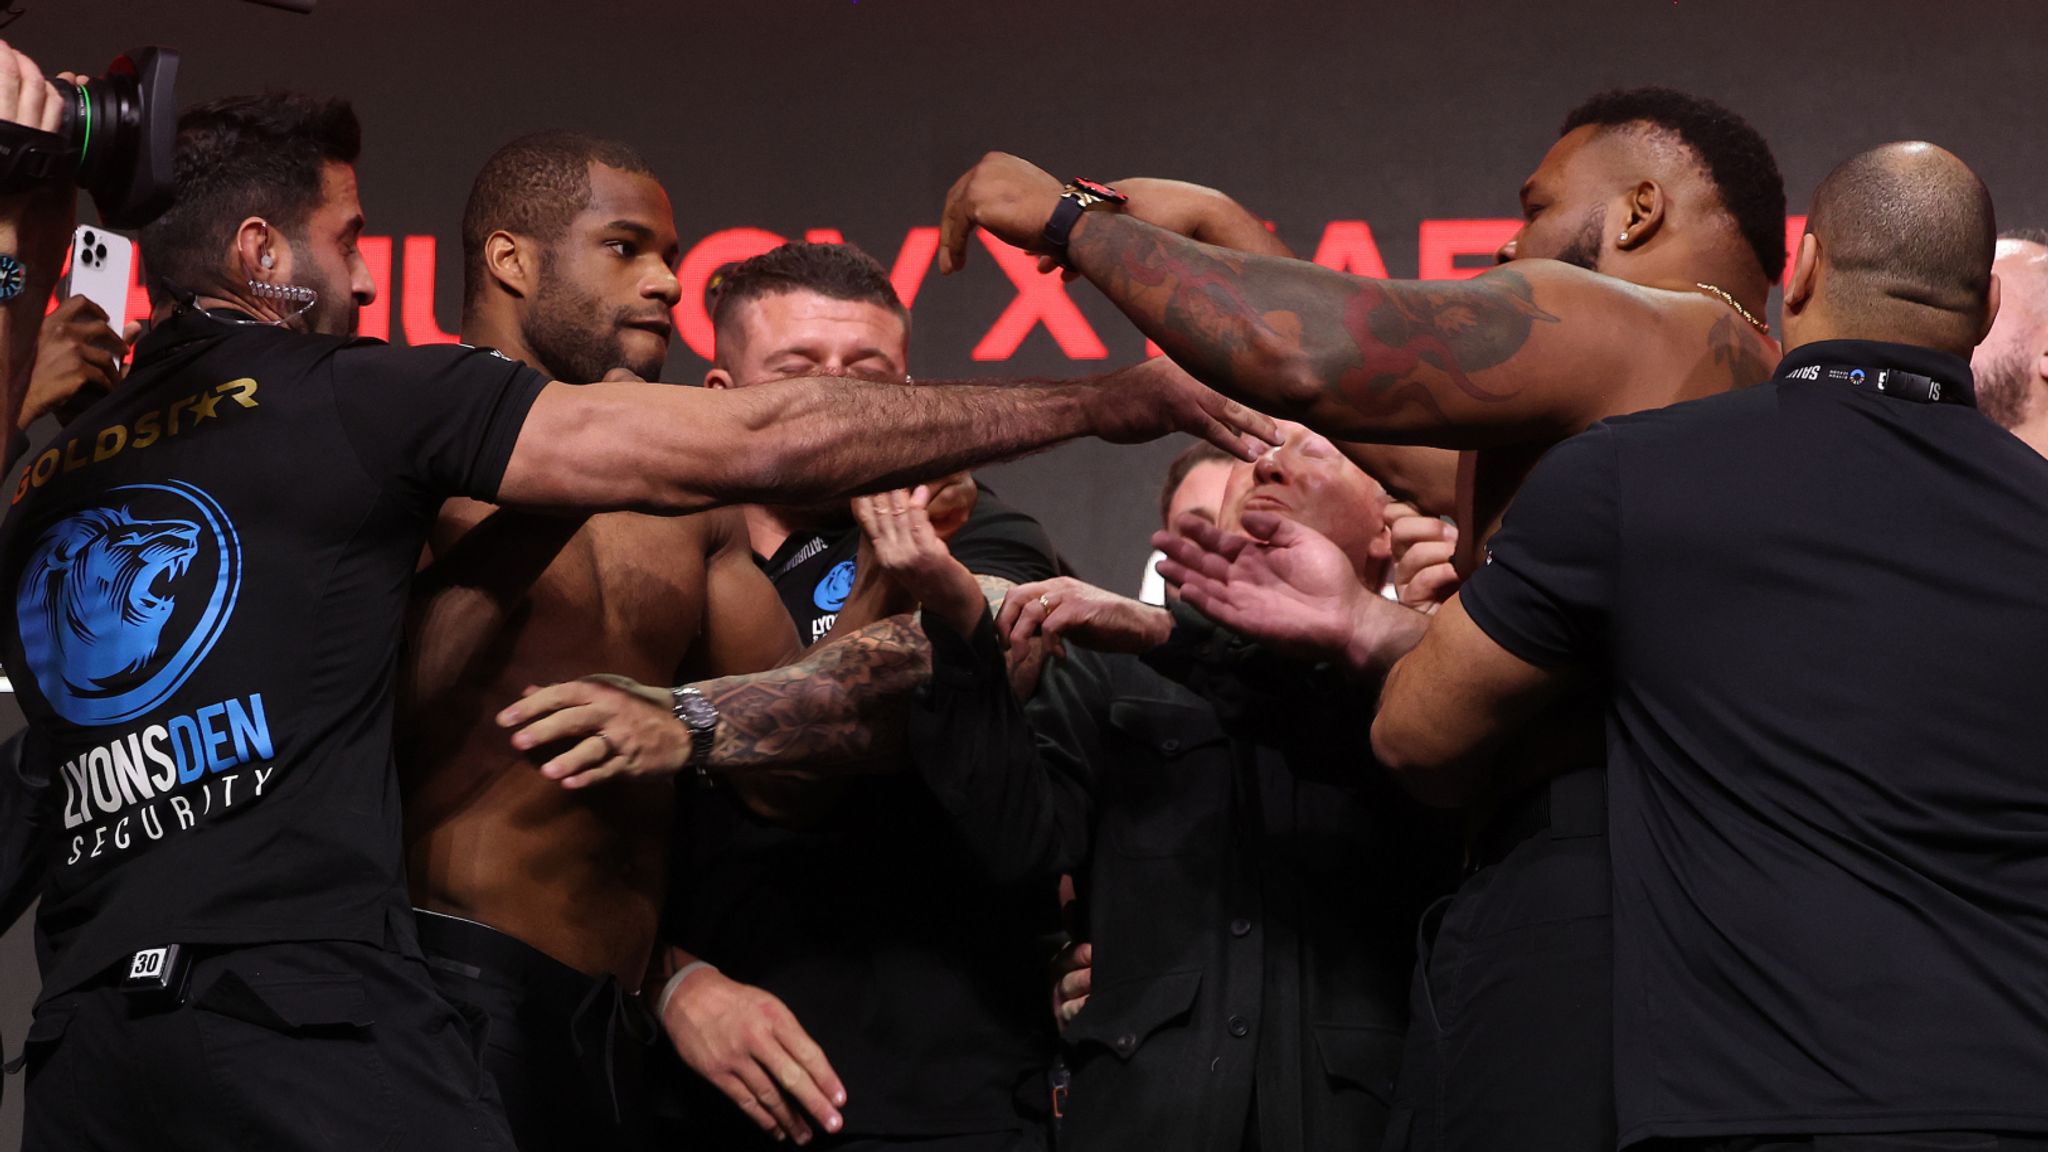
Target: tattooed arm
{"x": 1521, "y": 352}
{"x": 840, "y": 710}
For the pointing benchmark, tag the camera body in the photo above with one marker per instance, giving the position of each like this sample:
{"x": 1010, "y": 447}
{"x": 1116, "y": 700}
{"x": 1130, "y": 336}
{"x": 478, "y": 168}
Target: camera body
{"x": 117, "y": 137}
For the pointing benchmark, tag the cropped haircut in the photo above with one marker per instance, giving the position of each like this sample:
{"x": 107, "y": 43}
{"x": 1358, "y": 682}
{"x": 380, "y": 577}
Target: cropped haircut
{"x": 533, "y": 187}
{"x": 1733, "y": 155}
{"x": 834, "y": 271}
{"x": 238, "y": 157}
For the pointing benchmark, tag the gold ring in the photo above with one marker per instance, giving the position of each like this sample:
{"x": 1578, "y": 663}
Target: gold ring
{"x": 1045, "y": 602}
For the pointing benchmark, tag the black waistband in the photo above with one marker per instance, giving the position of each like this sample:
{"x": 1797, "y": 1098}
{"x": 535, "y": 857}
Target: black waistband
{"x": 1564, "y": 807}
{"x": 481, "y": 952}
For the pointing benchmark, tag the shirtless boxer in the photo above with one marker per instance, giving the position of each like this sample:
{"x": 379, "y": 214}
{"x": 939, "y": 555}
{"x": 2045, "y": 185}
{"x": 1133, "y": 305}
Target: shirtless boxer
{"x": 1653, "y": 230}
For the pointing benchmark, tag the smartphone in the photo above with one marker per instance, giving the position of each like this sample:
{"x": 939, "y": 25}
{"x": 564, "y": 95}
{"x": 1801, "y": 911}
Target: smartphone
{"x": 102, "y": 266}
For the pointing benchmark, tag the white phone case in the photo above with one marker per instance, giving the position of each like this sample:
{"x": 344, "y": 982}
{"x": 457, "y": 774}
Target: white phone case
{"x": 102, "y": 266}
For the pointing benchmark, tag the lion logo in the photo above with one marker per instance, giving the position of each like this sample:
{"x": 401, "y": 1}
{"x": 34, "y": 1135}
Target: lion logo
{"x": 110, "y": 622}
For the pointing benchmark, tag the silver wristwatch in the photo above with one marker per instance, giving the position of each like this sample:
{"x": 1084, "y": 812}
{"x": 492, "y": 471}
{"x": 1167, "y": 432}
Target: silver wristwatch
{"x": 700, "y": 716}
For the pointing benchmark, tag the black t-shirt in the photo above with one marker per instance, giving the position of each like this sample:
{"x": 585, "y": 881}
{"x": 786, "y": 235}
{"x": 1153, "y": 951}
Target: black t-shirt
{"x": 209, "y": 575}
{"x": 814, "y": 571}
{"x": 1819, "y": 613}
{"x": 918, "y": 975}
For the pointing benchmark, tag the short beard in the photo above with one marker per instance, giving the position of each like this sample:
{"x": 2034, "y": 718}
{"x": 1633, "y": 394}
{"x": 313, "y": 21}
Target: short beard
{"x": 573, "y": 338}
{"x": 1584, "y": 249}
{"x": 2002, "y": 388}
{"x": 334, "y": 311}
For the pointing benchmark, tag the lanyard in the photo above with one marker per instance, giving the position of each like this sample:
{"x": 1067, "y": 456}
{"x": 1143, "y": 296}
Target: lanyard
{"x": 1889, "y": 381}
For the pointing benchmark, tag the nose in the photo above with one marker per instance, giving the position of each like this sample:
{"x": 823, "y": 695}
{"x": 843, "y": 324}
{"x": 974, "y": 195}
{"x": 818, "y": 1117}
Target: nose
{"x": 1506, "y": 252}
{"x": 664, "y": 287}
{"x": 1268, "y": 468}
{"x": 360, "y": 285}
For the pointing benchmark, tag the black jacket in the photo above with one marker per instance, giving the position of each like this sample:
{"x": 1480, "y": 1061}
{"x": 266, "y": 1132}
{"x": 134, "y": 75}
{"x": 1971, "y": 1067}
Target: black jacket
{"x": 1250, "y": 880}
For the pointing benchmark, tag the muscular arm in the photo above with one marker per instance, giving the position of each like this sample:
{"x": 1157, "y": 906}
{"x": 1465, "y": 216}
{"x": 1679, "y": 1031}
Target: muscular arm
{"x": 1451, "y": 703}
{"x": 661, "y": 448}
{"x": 1517, "y": 353}
{"x": 1425, "y": 477}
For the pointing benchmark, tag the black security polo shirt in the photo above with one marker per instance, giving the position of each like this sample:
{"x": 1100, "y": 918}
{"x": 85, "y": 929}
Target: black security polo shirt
{"x": 208, "y": 574}
{"x": 1820, "y": 610}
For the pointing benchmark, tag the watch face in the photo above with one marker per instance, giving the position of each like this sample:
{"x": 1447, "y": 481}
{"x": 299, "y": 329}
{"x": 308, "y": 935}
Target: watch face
{"x": 13, "y": 277}
{"x": 1100, "y": 190}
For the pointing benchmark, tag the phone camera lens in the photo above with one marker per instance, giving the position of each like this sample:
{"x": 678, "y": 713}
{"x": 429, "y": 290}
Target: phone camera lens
{"x": 90, "y": 239}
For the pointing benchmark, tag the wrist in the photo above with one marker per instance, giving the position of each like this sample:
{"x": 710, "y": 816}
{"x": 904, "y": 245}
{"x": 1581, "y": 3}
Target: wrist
{"x": 675, "y": 983}
{"x": 1154, "y": 627}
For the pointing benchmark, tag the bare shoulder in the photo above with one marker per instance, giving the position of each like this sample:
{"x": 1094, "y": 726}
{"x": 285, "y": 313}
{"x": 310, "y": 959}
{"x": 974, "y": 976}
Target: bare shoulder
{"x": 1700, "y": 345}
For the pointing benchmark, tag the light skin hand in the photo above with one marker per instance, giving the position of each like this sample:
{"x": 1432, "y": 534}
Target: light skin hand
{"x": 1064, "y": 608}
{"x": 747, "y": 1044}
{"x": 1423, "y": 550}
{"x": 613, "y": 726}
{"x": 1073, "y": 971}
{"x": 910, "y": 552}
{"x": 1289, "y": 587}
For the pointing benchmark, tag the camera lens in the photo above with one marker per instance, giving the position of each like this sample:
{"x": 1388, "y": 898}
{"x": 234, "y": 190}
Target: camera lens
{"x": 91, "y": 239}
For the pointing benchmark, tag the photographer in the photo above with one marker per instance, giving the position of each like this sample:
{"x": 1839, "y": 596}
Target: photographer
{"x": 34, "y": 226}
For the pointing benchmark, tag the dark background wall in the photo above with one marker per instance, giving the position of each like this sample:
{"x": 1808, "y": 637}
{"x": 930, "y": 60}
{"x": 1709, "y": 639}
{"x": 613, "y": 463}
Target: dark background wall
{"x": 794, "y": 115}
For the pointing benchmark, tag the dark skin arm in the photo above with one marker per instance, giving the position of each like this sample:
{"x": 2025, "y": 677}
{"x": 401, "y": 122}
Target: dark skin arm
{"x": 655, "y": 448}
{"x": 1425, "y": 476}
{"x": 1519, "y": 353}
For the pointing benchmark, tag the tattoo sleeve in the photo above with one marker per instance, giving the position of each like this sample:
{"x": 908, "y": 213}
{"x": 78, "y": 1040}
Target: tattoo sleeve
{"x": 1352, "y": 357}
{"x": 841, "y": 710}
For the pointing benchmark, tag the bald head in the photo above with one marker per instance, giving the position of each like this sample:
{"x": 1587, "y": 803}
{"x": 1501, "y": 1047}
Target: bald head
{"x": 1904, "y": 234}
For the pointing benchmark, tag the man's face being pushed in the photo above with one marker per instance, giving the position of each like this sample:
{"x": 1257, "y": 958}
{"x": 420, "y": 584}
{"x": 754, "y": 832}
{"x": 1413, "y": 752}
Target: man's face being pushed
{"x": 607, "y": 285}
{"x": 1307, "y": 480}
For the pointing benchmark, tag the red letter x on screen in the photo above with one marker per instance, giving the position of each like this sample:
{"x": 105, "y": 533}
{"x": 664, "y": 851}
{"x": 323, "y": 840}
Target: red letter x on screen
{"x": 1040, "y": 300}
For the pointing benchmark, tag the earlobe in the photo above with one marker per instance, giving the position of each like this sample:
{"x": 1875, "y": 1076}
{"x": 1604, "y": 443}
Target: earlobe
{"x": 1643, "y": 216}
{"x": 505, "y": 259}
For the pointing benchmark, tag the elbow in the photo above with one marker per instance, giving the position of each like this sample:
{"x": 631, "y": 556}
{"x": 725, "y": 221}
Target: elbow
{"x": 1286, "y": 379}
{"x": 1421, "y": 770}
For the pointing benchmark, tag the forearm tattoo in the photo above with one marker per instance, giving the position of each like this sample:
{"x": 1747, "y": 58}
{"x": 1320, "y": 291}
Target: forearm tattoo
{"x": 1375, "y": 347}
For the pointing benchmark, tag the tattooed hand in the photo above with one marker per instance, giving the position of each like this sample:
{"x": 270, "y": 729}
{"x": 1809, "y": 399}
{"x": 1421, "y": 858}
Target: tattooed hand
{"x": 1009, "y": 197}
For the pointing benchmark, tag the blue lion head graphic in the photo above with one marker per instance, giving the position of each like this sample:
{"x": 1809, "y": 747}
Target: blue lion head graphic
{"x": 831, "y": 593}
{"x": 109, "y": 622}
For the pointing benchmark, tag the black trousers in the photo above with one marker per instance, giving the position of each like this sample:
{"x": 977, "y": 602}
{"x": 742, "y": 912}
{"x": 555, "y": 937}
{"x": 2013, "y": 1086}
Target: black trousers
{"x": 331, "y": 1046}
{"x": 567, "y": 1050}
{"x": 1510, "y": 1034}
{"x": 1866, "y": 1142}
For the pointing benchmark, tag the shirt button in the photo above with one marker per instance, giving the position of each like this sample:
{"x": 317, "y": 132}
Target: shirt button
{"x": 1169, "y": 745}
{"x": 1125, "y": 1044}
{"x": 1240, "y": 927}
{"x": 1239, "y": 1027}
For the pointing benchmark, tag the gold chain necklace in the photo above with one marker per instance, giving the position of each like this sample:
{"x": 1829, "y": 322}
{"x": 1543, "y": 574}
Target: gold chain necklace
{"x": 1732, "y": 302}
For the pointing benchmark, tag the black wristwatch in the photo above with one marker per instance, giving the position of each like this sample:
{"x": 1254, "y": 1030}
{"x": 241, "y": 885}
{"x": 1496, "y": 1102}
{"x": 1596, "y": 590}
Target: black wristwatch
{"x": 1078, "y": 197}
{"x": 700, "y": 716}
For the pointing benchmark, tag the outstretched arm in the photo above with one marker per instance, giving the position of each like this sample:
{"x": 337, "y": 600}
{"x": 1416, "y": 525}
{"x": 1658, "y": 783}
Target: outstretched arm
{"x": 1519, "y": 352}
{"x": 662, "y": 448}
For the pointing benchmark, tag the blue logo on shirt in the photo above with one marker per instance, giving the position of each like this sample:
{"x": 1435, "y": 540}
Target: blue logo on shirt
{"x": 832, "y": 591}
{"x": 119, "y": 604}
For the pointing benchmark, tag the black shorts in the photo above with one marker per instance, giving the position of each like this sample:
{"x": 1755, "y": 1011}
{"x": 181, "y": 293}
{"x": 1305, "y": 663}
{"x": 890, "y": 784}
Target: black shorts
{"x": 568, "y": 1050}
{"x": 327, "y": 1045}
{"x": 1511, "y": 1014}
